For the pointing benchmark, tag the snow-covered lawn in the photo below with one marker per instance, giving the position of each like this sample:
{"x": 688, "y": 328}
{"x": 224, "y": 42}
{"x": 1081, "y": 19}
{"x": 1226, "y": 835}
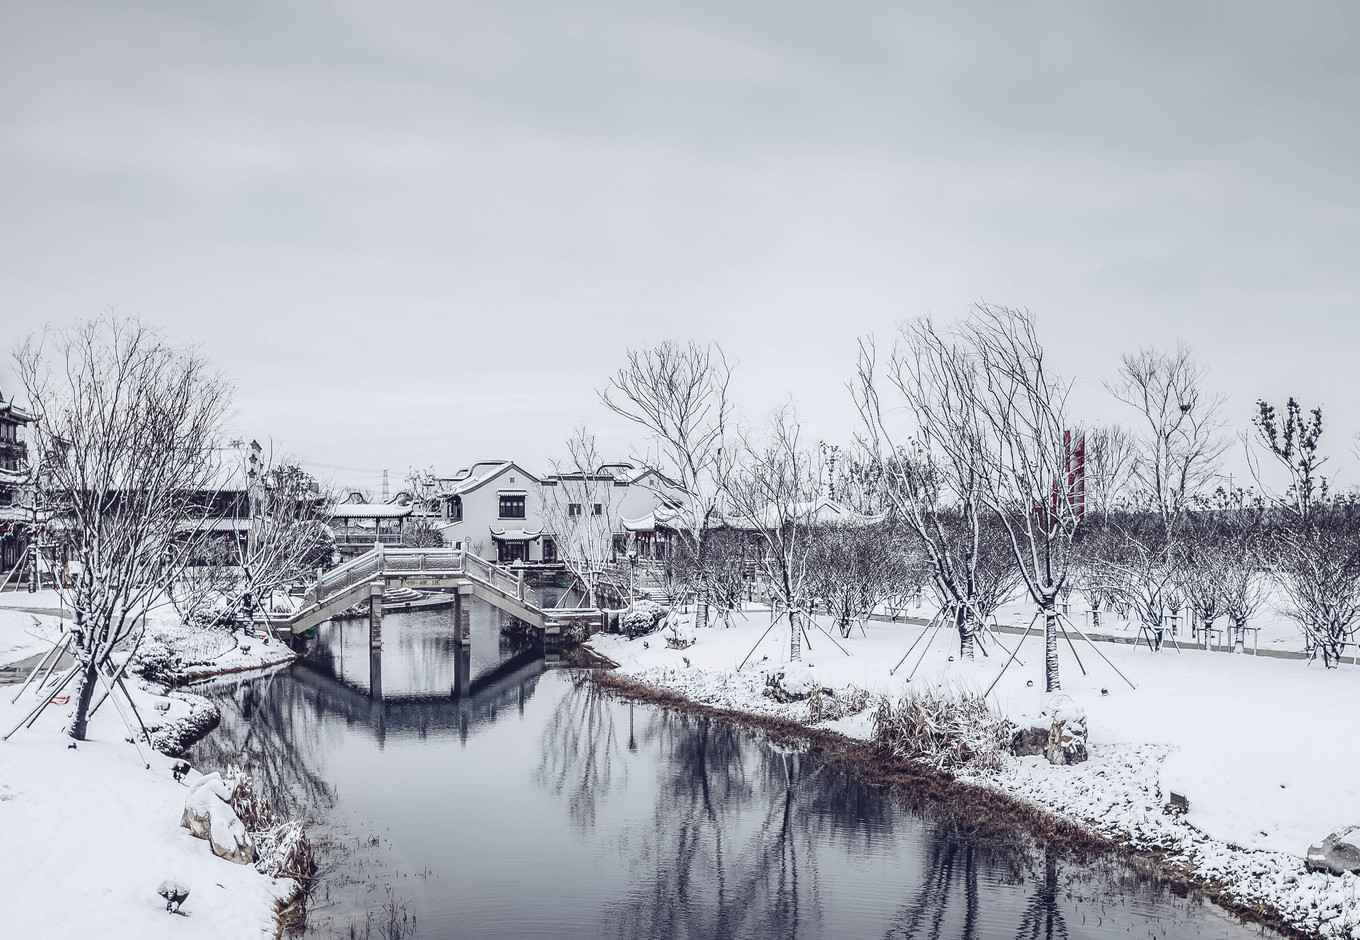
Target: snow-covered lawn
{"x": 1263, "y": 748}
{"x": 1277, "y": 631}
{"x": 90, "y": 833}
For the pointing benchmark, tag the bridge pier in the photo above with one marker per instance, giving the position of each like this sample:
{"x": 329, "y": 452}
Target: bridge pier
{"x": 461, "y": 620}
{"x": 375, "y": 691}
{"x": 375, "y": 614}
{"x": 462, "y": 670}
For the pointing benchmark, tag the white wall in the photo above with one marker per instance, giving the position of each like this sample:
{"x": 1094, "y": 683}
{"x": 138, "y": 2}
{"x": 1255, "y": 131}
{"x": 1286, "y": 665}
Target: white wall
{"x": 481, "y": 513}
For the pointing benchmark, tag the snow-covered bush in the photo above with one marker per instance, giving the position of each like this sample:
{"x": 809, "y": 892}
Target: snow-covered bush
{"x": 284, "y": 851}
{"x": 282, "y": 847}
{"x": 643, "y": 617}
{"x": 828, "y": 705}
{"x": 945, "y": 730}
{"x": 791, "y": 683}
{"x": 155, "y": 660}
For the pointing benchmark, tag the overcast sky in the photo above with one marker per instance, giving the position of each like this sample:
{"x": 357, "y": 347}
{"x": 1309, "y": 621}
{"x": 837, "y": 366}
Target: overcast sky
{"x": 420, "y": 234}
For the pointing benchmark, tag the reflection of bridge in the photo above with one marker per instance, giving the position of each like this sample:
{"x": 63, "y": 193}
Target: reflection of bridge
{"x": 463, "y": 574}
{"x": 469, "y": 702}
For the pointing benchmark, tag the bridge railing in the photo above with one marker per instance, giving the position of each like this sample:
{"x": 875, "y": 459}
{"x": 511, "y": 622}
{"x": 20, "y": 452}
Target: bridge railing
{"x": 442, "y": 560}
{"x": 380, "y": 561}
{"x": 495, "y": 575}
{"x": 361, "y": 568}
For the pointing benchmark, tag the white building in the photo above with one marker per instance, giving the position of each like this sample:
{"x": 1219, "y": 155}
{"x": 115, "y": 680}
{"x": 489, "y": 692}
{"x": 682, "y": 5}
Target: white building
{"x": 502, "y": 512}
{"x": 494, "y": 509}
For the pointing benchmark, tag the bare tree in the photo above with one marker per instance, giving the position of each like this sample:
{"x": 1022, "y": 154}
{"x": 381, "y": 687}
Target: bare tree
{"x": 1228, "y": 540}
{"x": 729, "y": 564}
{"x": 1030, "y": 483}
{"x": 855, "y": 568}
{"x": 1109, "y": 467}
{"x": 288, "y": 536}
{"x": 1317, "y": 550}
{"x": 773, "y": 491}
{"x": 126, "y": 435}
{"x": 1179, "y": 438}
{"x": 932, "y": 472}
{"x": 1175, "y": 451}
{"x": 678, "y": 394}
{"x": 579, "y": 510}
{"x": 285, "y": 539}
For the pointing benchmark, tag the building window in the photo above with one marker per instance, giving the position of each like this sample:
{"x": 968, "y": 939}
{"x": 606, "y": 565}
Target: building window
{"x": 456, "y": 509}
{"x": 598, "y": 510}
{"x": 549, "y": 549}
{"x": 573, "y": 509}
{"x": 512, "y": 506}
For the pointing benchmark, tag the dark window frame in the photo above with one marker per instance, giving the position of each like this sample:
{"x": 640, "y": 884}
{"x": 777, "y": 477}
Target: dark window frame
{"x": 511, "y": 506}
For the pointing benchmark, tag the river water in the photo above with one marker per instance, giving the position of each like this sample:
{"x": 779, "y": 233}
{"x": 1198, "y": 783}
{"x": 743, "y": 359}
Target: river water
{"x": 484, "y": 794}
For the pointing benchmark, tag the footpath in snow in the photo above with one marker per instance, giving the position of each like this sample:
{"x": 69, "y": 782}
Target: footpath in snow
{"x": 1263, "y": 748}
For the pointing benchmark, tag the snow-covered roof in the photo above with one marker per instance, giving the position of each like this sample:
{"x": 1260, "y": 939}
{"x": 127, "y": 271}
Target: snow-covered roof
{"x": 813, "y": 512}
{"x": 665, "y": 516}
{"x": 9, "y": 409}
{"x": 471, "y": 478}
{"x": 369, "y": 511}
{"x": 516, "y": 535}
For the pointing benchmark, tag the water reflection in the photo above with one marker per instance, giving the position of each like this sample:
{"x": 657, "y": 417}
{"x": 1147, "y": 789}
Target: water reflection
{"x": 534, "y": 805}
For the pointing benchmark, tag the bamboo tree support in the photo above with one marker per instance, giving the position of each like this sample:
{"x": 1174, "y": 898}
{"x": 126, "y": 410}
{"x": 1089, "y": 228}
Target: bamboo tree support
{"x": 122, "y": 684}
{"x": 54, "y": 651}
{"x": 996, "y": 638}
{"x": 1101, "y": 655}
{"x": 926, "y": 649}
{"x": 65, "y": 645}
{"x": 928, "y": 625}
{"x": 825, "y": 634}
{"x": 127, "y": 724}
{"x": 19, "y": 563}
{"x": 1021, "y": 643}
{"x": 773, "y": 621}
{"x": 1070, "y": 644}
{"x": 118, "y": 676}
{"x": 32, "y": 716}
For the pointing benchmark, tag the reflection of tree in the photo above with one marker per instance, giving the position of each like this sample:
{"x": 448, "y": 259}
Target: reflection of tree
{"x": 579, "y": 746}
{"x": 1042, "y": 916}
{"x": 269, "y": 728}
{"x": 955, "y": 856}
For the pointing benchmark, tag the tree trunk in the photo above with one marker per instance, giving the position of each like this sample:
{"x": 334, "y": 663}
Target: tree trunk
{"x": 1051, "y": 680}
{"x": 1333, "y": 648}
{"x": 963, "y": 619}
{"x": 84, "y": 692}
{"x": 795, "y": 638}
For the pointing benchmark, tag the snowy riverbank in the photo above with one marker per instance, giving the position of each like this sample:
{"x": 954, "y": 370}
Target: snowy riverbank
{"x": 1259, "y": 746}
{"x": 92, "y": 831}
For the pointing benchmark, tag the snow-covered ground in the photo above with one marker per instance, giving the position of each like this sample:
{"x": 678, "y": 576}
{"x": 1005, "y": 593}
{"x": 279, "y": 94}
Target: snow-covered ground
{"x": 1263, "y": 748}
{"x": 23, "y": 635}
{"x": 200, "y": 653}
{"x": 90, "y": 833}
{"x": 1272, "y": 627}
